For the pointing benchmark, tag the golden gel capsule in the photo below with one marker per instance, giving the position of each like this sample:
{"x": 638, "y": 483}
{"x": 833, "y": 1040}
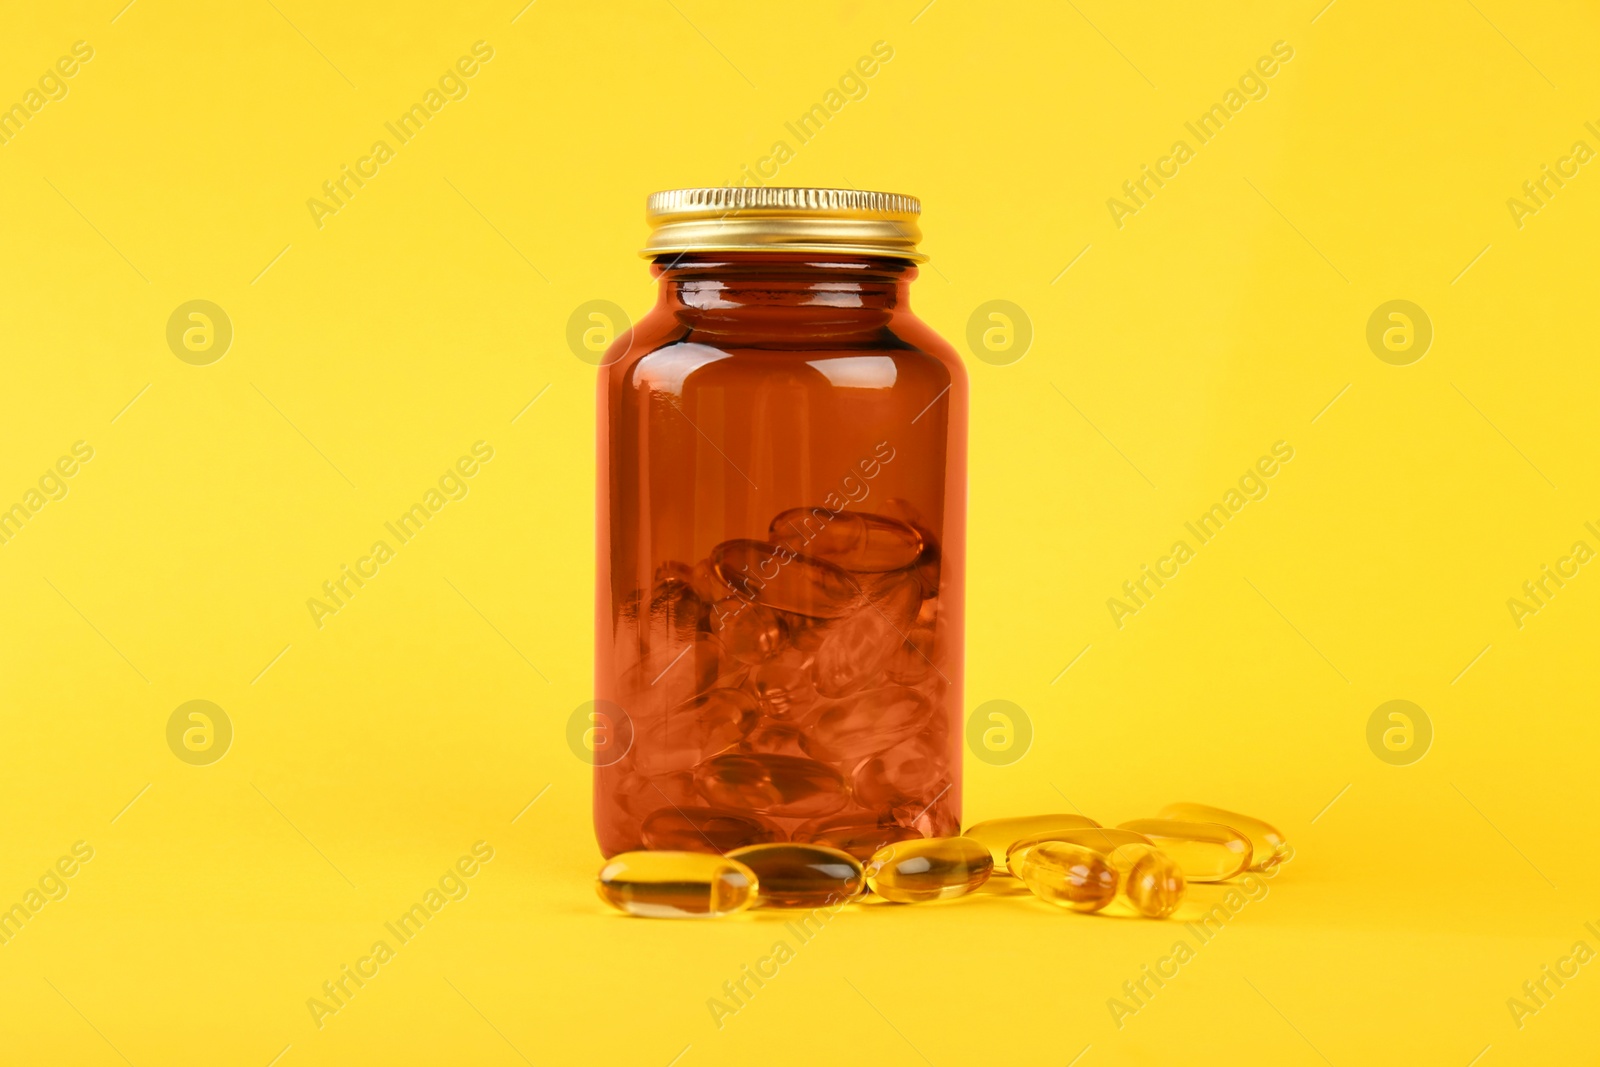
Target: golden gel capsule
{"x": 931, "y": 868}
{"x": 1205, "y": 851}
{"x": 1150, "y": 883}
{"x": 793, "y": 875}
{"x": 1101, "y": 839}
{"x": 998, "y": 835}
{"x": 1269, "y": 847}
{"x": 675, "y": 885}
{"x": 1068, "y": 875}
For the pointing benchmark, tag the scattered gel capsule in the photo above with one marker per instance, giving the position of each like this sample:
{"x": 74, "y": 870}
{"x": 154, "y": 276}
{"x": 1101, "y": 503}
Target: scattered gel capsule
{"x": 998, "y": 835}
{"x": 854, "y": 540}
{"x": 705, "y": 830}
{"x": 1067, "y": 875}
{"x": 676, "y": 885}
{"x": 1268, "y": 845}
{"x": 909, "y": 872}
{"x": 1150, "y": 883}
{"x": 855, "y": 834}
{"x": 864, "y": 724}
{"x": 1205, "y": 851}
{"x": 787, "y": 786}
{"x": 803, "y": 875}
{"x": 1101, "y": 839}
{"x": 774, "y": 577}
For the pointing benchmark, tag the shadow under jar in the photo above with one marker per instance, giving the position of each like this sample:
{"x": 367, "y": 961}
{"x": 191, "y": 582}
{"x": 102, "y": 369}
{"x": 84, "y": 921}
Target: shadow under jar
{"x": 781, "y": 533}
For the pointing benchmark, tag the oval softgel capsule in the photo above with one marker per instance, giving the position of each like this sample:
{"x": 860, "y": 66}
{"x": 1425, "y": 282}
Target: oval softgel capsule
{"x": 794, "y": 875}
{"x": 1100, "y": 838}
{"x": 676, "y": 885}
{"x": 1067, "y": 875}
{"x": 1268, "y": 847}
{"x": 1206, "y": 851}
{"x": 1150, "y": 883}
{"x": 998, "y": 835}
{"x": 933, "y": 868}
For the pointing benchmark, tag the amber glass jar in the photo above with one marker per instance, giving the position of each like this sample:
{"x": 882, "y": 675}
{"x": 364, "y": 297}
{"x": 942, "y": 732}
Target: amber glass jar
{"x": 781, "y": 512}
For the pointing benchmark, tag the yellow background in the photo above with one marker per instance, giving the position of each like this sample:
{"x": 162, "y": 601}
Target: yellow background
{"x": 425, "y": 716}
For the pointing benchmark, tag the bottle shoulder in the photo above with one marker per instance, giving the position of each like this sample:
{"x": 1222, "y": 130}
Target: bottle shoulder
{"x": 663, "y": 351}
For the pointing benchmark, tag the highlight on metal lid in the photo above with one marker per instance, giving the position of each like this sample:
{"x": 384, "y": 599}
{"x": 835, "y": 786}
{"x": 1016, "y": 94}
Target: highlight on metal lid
{"x": 783, "y": 219}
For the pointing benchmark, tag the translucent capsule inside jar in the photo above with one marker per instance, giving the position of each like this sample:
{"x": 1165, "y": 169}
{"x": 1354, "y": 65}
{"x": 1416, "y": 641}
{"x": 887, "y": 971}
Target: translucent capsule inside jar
{"x": 934, "y": 815}
{"x": 676, "y": 885}
{"x": 773, "y": 737}
{"x": 863, "y": 724}
{"x": 795, "y": 875}
{"x": 1067, "y": 875}
{"x": 750, "y": 633}
{"x": 667, "y": 676}
{"x": 639, "y": 795}
{"x": 700, "y": 727}
{"x": 938, "y": 868}
{"x": 913, "y": 768}
{"x": 913, "y": 660}
{"x": 772, "y": 576}
{"x": 786, "y": 786}
{"x": 705, "y": 830}
{"x": 927, "y": 565}
{"x": 1205, "y": 851}
{"x": 853, "y": 540}
{"x": 1100, "y": 838}
{"x": 1268, "y": 847}
{"x": 998, "y": 835}
{"x": 783, "y": 686}
{"x": 855, "y": 650}
{"x": 856, "y": 834}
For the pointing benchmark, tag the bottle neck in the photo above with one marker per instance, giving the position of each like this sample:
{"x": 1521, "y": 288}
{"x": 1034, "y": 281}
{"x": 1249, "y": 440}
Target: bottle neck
{"x": 808, "y": 288}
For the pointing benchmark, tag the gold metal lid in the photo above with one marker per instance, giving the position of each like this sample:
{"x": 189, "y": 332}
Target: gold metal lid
{"x": 782, "y": 219}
